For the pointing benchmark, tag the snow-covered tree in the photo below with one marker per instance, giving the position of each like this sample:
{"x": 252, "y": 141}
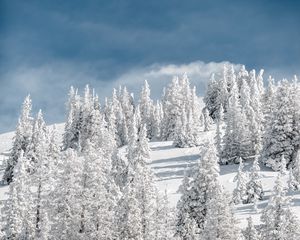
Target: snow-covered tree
{"x": 207, "y": 120}
{"x": 66, "y": 210}
{"x": 98, "y": 198}
{"x": 239, "y": 192}
{"x": 278, "y": 220}
{"x": 250, "y": 233}
{"x": 19, "y": 212}
{"x": 278, "y": 140}
{"x": 296, "y": 169}
{"x": 236, "y": 137}
{"x": 156, "y": 119}
{"x": 21, "y": 140}
{"x": 164, "y": 219}
{"x": 212, "y": 97}
{"x": 254, "y": 189}
{"x": 181, "y": 108}
{"x": 130, "y": 214}
{"x": 72, "y": 125}
{"x": 197, "y": 193}
{"x": 146, "y": 108}
{"x": 220, "y": 222}
{"x": 138, "y": 201}
{"x": 293, "y": 185}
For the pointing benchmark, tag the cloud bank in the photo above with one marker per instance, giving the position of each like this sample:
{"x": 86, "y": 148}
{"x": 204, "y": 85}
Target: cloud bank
{"x": 48, "y": 85}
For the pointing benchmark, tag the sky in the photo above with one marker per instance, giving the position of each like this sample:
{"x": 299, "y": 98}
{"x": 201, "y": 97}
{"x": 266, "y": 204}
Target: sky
{"x": 47, "y": 46}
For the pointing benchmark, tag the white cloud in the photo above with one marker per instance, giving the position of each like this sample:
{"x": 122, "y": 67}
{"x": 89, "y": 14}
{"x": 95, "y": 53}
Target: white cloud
{"x": 49, "y": 84}
{"x": 159, "y": 76}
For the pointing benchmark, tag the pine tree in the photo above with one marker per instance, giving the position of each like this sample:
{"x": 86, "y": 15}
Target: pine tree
{"x": 240, "y": 190}
{"x": 250, "y": 233}
{"x": 139, "y": 189}
{"x": 278, "y": 220}
{"x": 197, "y": 193}
{"x": 219, "y": 222}
{"x": 212, "y": 97}
{"x": 293, "y": 185}
{"x": 72, "y": 125}
{"x": 130, "y": 214}
{"x": 22, "y": 138}
{"x": 146, "y": 106}
{"x": 207, "y": 120}
{"x": 278, "y": 140}
{"x": 19, "y": 222}
{"x": 296, "y": 169}
{"x": 236, "y": 137}
{"x": 180, "y": 103}
{"x": 164, "y": 219}
{"x": 254, "y": 189}
{"x": 218, "y": 140}
{"x": 66, "y": 212}
{"x": 97, "y": 202}
{"x": 157, "y": 116}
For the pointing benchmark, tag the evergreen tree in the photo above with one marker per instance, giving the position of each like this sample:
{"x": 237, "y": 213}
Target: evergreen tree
{"x": 146, "y": 108}
{"x": 278, "y": 140}
{"x": 157, "y": 116}
{"x": 97, "y": 202}
{"x": 293, "y": 185}
{"x": 236, "y": 137}
{"x": 254, "y": 189}
{"x": 278, "y": 220}
{"x": 19, "y": 222}
{"x": 66, "y": 212}
{"x": 164, "y": 221}
{"x": 220, "y": 223}
{"x": 197, "y": 193}
{"x": 240, "y": 190}
{"x": 218, "y": 140}
{"x": 207, "y": 120}
{"x": 296, "y": 169}
{"x": 138, "y": 202}
{"x": 181, "y": 108}
{"x": 130, "y": 214}
{"x": 250, "y": 233}
{"x": 21, "y": 140}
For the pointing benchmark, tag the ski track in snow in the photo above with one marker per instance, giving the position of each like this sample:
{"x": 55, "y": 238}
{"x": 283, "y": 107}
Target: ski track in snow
{"x": 169, "y": 165}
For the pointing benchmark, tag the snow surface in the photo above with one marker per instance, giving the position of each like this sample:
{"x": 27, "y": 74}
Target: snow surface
{"x": 169, "y": 165}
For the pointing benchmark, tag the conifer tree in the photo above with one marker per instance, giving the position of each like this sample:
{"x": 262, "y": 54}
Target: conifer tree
{"x": 66, "y": 213}
{"x": 219, "y": 222}
{"x": 197, "y": 193}
{"x": 19, "y": 222}
{"x": 278, "y": 140}
{"x": 236, "y": 137}
{"x": 240, "y": 190}
{"x": 296, "y": 169}
{"x": 146, "y": 108}
{"x": 250, "y": 233}
{"x": 164, "y": 219}
{"x": 254, "y": 189}
{"x": 157, "y": 116}
{"x": 22, "y": 138}
{"x": 278, "y": 220}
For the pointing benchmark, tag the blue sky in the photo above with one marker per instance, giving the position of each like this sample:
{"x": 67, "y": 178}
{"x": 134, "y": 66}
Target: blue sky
{"x": 47, "y": 46}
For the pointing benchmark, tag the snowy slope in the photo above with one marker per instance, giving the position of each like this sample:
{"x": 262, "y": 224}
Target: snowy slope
{"x": 169, "y": 165}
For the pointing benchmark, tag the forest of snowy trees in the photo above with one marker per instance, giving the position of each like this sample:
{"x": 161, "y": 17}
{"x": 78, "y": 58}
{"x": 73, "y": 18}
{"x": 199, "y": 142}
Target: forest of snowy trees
{"x": 83, "y": 188}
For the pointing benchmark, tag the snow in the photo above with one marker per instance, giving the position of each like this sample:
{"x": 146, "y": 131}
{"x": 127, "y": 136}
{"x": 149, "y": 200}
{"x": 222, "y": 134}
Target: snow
{"x": 169, "y": 165}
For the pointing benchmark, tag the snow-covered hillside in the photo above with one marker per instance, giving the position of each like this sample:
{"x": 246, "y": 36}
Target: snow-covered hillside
{"x": 169, "y": 165}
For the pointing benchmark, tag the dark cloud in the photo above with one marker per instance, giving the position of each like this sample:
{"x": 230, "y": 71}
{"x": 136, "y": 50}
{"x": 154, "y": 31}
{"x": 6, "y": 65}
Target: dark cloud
{"x": 53, "y": 44}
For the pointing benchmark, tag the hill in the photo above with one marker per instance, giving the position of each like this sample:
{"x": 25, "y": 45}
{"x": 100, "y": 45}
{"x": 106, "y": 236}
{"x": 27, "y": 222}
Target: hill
{"x": 169, "y": 165}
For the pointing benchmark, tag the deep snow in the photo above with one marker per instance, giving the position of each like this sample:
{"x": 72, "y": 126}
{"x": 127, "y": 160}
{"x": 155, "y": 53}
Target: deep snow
{"x": 169, "y": 165}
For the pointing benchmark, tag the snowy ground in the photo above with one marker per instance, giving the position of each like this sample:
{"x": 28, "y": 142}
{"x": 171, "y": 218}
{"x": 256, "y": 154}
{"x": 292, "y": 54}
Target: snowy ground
{"x": 169, "y": 165}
